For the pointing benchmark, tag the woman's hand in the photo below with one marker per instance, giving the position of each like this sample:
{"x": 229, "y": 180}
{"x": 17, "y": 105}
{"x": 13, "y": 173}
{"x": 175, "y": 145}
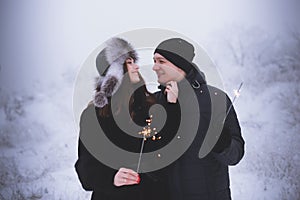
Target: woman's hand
{"x": 172, "y": 91}
{"x": 126, "y": 177}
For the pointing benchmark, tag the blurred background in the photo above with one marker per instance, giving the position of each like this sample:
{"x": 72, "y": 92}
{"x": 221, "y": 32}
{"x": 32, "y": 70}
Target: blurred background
{"x": 43, "y": 45}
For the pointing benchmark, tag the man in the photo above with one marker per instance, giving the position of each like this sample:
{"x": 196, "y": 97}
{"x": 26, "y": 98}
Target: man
{"x": 191, "y": 176}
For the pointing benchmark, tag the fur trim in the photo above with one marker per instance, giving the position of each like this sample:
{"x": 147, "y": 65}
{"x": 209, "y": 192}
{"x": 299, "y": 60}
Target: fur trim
{"x": 116, "y": 53}
{"x": 118, "y": 50}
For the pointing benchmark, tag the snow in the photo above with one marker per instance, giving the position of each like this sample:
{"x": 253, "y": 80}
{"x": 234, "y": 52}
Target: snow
{"x": 38, "y": 70}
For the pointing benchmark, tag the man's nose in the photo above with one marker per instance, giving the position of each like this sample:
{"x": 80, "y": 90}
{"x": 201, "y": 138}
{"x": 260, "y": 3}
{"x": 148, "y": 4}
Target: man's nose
{"x": 155, "y": 67}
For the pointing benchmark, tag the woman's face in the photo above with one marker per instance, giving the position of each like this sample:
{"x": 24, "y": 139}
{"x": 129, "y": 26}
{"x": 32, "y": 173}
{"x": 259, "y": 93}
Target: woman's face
{"x": 133, "y": 70}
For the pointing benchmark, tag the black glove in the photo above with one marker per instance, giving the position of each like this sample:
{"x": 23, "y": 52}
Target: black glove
{"x": 223, "y": 142}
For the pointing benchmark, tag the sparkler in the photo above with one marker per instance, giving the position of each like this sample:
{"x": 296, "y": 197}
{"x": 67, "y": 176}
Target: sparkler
{"x": 237, "y": 93}
{"x": 146, "y": 132}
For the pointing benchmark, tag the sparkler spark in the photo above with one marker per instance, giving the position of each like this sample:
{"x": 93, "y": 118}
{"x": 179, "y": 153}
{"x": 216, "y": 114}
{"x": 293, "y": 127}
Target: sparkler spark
{"x": 146, "y": 132}
{"x": 236, "y": 93}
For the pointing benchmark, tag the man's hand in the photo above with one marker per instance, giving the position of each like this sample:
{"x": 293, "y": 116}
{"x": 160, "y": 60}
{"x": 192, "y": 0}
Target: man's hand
{"x": 172, "y": 91}
{"x": 126, "y": 177}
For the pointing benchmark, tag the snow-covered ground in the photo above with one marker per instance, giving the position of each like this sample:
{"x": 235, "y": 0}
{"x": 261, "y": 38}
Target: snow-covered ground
{"x": 38, "y": 69}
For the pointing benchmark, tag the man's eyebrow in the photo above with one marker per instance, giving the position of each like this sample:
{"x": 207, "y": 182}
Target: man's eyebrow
{"x": 159, "y": 58}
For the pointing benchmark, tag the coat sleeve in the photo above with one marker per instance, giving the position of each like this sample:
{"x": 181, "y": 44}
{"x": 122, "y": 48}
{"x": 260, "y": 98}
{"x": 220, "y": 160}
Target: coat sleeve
{"x": 93, "y": 175}
{"x": 233, "y": 153}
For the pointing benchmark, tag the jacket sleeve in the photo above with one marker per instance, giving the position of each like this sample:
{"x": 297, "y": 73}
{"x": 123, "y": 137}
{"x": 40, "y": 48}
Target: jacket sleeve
{"x": 233, "y": 153}
{"x": 93, "y": 175}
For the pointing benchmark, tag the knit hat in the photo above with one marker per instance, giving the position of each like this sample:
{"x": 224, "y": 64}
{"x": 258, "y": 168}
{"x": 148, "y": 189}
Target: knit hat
{"x": 110, "y": 62}
{"x": 177, "y": 51}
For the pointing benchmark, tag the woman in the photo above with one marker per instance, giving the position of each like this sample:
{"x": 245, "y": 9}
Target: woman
{"x": 119, "y": 79}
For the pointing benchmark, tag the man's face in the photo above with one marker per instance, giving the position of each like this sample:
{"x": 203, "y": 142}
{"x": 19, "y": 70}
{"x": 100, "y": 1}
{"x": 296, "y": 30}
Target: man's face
{"x": 165, "y": 70}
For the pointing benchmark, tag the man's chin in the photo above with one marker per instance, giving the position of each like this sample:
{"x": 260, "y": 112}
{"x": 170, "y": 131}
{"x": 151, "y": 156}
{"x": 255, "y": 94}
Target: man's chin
{"x": 161, "y": 82}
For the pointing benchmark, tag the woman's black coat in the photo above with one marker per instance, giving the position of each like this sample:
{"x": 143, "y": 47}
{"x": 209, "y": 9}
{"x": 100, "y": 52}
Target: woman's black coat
{"x": 97, "y": 177}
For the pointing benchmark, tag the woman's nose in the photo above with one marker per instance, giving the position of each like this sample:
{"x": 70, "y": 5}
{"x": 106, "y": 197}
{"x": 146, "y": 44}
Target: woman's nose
{"x": 136, "y": 66}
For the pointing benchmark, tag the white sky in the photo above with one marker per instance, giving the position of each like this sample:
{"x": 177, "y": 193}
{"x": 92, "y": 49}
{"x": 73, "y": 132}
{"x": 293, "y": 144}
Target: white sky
{"x": 41, "y": 38}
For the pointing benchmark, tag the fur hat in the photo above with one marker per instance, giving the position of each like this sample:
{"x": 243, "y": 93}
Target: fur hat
{"x": 110, "y": 62}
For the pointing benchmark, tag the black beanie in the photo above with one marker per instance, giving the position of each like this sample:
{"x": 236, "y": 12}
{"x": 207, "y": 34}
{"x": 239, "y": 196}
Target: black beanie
{"x": 177, "y": 51}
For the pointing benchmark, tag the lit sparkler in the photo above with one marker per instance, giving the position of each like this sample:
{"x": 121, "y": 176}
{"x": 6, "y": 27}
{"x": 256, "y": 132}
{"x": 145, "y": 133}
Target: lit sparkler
{"x": 146, "y": 132}
{"x": 237, "y": 93}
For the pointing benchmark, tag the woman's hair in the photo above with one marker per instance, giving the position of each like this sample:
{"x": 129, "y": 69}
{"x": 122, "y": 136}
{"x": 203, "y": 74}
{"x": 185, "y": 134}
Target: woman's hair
{"x": 140, "y": 98}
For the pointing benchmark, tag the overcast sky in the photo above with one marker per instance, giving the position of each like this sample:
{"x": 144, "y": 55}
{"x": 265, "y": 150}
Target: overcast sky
{"x": 41, "y": 38}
